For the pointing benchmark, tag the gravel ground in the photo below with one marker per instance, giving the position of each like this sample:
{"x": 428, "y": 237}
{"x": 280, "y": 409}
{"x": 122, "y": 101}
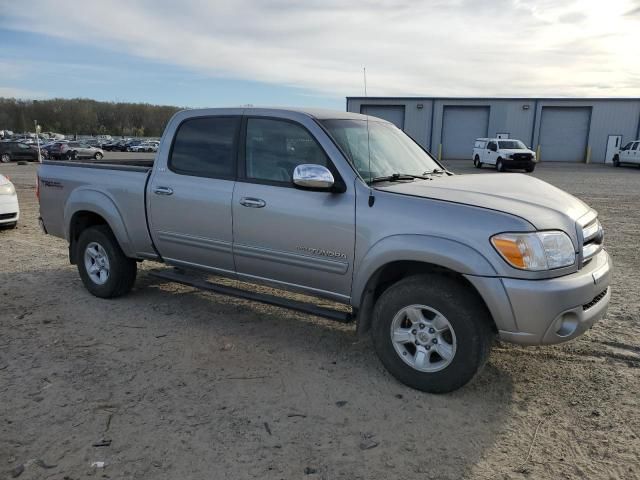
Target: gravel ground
{"x": 174, "y": 383}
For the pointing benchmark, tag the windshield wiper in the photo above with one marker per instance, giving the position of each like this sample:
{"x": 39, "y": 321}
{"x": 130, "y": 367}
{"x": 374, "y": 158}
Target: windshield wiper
{"x": 435, "y": 170}
{"x": 394, "y": 177}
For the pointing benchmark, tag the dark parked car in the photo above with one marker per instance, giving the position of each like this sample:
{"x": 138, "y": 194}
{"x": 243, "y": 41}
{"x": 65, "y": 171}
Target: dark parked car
{"x": 17, "y": 151}
{"x": 131, "y": 143}
{"x": 54, "y": 150}
{"x": 116, "y": 146}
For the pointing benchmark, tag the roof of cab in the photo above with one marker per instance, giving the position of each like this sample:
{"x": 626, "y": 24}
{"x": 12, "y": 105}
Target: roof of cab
{"x": 317, "y": 113}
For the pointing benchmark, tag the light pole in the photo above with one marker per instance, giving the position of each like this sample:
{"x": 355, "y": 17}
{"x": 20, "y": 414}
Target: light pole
{"x": 35, "y": 123}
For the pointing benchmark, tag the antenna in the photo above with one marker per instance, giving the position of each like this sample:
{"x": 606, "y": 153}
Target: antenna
{"x": 364, "y": 71}
{"x": 371, "y": 197}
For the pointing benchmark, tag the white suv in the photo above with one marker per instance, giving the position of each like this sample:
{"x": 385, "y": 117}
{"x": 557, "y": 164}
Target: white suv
{"x": 504, "y": 154}
{"x": 630, "y": 153}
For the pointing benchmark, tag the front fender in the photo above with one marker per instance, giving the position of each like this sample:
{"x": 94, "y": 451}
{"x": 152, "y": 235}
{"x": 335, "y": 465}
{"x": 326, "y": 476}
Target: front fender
{"x": 443, "y": 252}
{"x": 100, "y": 203}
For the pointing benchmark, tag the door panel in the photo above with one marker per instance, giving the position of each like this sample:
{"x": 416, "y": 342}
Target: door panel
{"x": 303, "y": 238}
{"x": 190, "y": 201}
{"x": 282, "y": 234}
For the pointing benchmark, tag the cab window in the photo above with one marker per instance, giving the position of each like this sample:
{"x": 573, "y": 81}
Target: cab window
{"x": 274, "y": 148}
{"x": 205, "y": 147}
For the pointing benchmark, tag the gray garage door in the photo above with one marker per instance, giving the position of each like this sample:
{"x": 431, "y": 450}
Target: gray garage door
{"x": 563, "y": 133}
{"x": 460, "y": 127}
{"x": 390, "y": 113}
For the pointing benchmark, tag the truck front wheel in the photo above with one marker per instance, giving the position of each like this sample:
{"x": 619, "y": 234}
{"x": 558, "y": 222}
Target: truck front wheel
{"x": 104, "y": 269}
{"x": 431, "y": 332}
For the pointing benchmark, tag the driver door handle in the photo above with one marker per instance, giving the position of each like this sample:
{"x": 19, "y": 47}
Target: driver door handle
{"x": 252, "y": 202}
{"x": 163, "y": 191}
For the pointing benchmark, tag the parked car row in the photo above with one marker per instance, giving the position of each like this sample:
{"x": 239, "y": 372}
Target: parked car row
{"x": 131, "y": 145}
{"x": 507, "y": 154}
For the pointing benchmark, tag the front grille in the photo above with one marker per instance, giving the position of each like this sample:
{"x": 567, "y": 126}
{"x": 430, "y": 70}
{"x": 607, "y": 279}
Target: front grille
{"x": 522, "y": 156}
{"x": 595, "y": 300}
{"x": 592, "y": 237}
{"x": 7, "y": 216}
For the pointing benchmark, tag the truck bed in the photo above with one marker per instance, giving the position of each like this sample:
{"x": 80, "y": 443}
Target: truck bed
{"x": 114, "y": 190}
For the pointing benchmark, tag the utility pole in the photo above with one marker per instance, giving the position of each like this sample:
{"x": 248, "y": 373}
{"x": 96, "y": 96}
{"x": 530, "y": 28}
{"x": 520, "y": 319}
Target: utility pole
{"x": 37, "y": 127}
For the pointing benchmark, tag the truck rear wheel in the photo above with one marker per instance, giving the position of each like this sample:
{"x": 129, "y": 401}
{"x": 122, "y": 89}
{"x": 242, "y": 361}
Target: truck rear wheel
{"x": 476, "y": 162}
{"x": 104, "y": 268}
{"x": 431, "y": 332}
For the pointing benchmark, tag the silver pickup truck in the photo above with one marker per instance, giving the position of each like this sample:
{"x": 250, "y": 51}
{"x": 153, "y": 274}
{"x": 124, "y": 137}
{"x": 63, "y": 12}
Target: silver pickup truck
{"x": 345, "y": 207}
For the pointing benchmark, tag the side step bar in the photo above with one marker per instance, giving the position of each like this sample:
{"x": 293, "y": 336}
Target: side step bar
{"x": 175, "y": 276}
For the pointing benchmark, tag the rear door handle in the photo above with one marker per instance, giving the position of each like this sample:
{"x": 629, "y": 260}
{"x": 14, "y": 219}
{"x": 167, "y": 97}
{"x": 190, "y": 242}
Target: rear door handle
{"x": 252, "y": 202}
{"x": 163, "y": 191}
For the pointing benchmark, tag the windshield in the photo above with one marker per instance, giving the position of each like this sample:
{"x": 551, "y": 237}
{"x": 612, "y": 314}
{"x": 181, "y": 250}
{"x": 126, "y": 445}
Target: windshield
{"x": 385, "y": 147}
{"x": 512, "y": 144}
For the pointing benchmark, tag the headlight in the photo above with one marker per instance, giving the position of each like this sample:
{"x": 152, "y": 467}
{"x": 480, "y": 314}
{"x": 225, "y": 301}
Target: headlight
{"x": 7, "y": 189}
{"x": 535, "y": 251}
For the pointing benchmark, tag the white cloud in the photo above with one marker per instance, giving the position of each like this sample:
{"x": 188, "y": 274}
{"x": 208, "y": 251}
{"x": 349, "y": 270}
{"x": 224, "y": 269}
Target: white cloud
{"x": 458, "y": 47}
{"x": 13, "y": 92}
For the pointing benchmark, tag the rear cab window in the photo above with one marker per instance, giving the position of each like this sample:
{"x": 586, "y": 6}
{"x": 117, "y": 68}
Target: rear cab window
{"x": 206, "y": 147}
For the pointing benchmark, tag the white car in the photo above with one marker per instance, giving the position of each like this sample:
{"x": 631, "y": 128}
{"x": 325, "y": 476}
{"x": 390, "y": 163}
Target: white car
{"x": 145, "y": 147}
{"x": 630, "y": 153}
{"x": 504, "y": 154}
{"x": 9, "y": 209}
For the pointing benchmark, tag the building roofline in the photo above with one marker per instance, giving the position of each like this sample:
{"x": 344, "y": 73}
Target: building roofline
{"x": 584, "y": 99}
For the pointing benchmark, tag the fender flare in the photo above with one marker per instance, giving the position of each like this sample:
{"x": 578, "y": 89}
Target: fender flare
{"x": 100, "y": 203}
{"x": 439, "y": 251}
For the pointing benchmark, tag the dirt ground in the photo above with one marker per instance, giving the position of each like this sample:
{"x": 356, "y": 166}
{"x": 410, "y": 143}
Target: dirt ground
{"x": 174, "y": 383}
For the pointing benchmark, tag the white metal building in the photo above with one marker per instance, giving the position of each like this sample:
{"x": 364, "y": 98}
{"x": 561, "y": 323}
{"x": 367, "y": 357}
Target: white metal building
{"x": 559, "y": 129}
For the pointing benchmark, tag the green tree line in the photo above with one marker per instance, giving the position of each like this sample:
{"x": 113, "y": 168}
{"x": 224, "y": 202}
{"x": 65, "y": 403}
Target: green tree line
{"x": 83, "y": 116}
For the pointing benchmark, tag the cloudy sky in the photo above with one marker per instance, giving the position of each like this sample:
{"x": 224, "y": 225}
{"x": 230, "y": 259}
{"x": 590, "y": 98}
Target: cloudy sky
{"x": 311, "y": 52}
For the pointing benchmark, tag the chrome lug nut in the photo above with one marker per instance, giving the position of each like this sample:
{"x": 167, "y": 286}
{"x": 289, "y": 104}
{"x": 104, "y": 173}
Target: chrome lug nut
{"x": 432, "y": 330}
{"x": 435, "y": 340}
{"x": 414, "y": 331}
{"x": 421, "y": 325}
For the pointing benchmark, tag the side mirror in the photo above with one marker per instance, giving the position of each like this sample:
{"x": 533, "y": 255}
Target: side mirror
{"x": 312, "y": 176}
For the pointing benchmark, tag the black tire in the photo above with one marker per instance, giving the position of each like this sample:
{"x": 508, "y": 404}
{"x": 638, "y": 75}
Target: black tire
{"x": 122, "y": 270}
{"x": 476, "y": 162}
{"x": 616, "y": 161}
{"x": 530, "y": 168}
{"x": 72, "y": 155}
{"x": 465, "y": 312}
{"x": 98, "y": 156}
{"x": 500, "y": 165}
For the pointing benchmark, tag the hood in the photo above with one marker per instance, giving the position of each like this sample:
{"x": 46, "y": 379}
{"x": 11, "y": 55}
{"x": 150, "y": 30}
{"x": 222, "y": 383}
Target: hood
{"x": 541, "y": 204}
{"x": 516, "y": 150}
